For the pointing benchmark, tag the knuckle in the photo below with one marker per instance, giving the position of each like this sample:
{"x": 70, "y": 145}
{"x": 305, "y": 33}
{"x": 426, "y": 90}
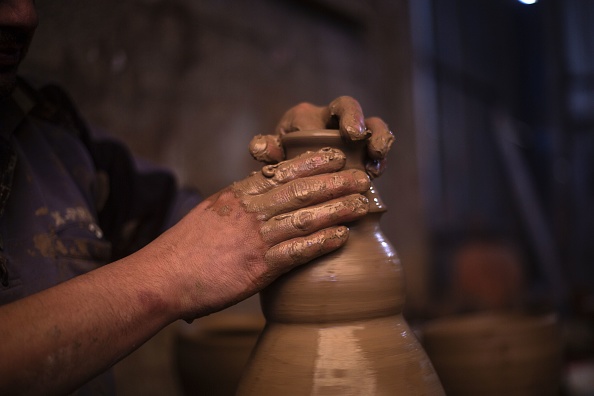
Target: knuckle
{"x": 303, "y": 107}
{"x": 375, "y": 122}
{"x": 303, "y": 249}
{"x": 254, "y": 184}
{"x": 289, "y": 169}
{"x": 339, "y": 181}
{"x": 342, "y": 102}
{"x": 350, "y": 180}
{"x": 343, "y": 99}
{"x": 302, "y": 191}
{"x": 346, "y": 99}
{"x": 302, "y": 220}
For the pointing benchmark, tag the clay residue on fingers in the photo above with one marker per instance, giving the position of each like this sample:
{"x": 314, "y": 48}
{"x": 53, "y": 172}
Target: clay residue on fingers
{"x": 379, "y": 145}
{"x": 381, "y": 139}
{"x": 303, "y": 192}
{"x": 350, "y": 115}
{"x": 298, "y": 194}
{"x": 362, "y": 180}
{"x": 267, "y": 148}
{"x": 356, "y": 134}
{"x": 356, "y": 205}
{"x": 224, "y": 210}
{"x": 289, "y": 254}
{"x": 304, "y": 221}
{"x": 306, "y": 164}
{"x": 305, "y": 249}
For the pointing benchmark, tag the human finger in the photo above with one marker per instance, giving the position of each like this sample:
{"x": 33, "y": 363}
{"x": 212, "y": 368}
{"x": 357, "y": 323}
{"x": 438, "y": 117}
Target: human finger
{"x": 267, "y": 148}
{"x": 375, "y": 168}
{"x": 303, "y": 192}
{"x": 308, "y": 220}
{"x": 306, "y": 164}
{"x": 350, "y": 118}
{"x": 286, "y": 255}
{"x": 381, "y": 139}
{"x": 310, "y": 163}
{"x": 303, "y": 117}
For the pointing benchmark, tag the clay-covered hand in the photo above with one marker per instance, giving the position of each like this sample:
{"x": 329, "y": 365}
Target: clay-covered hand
{"x": 237, "y": 241}
{"x": 343, "y": 113}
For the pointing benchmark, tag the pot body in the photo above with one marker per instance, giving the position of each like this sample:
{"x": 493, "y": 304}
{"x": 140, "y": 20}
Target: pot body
{"x": 335, "y": 325}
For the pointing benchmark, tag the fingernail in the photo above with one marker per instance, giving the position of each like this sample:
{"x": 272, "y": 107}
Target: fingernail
{"x": 375, "y": 168}
{"x": 358, "y": 133}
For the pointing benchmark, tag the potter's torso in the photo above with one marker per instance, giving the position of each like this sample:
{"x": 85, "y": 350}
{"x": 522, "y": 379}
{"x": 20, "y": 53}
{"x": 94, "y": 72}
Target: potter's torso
{"x": 74, "y": 204}
{"x": 49, "y": 227}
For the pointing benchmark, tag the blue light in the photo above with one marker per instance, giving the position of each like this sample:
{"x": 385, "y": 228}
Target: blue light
{"x": 528, "y": 1}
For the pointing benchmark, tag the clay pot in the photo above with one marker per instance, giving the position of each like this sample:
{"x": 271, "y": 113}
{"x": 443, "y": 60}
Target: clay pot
{"x": 496, "y": 354}
{"x": 210, "y": 354}
{"x": 335, "y": 325}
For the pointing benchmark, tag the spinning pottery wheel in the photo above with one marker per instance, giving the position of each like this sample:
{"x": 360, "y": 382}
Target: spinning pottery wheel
{"x": 335, "y": 325}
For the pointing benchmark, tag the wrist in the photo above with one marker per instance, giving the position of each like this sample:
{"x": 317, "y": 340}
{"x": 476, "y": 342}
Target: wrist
{"x": 151, "y": 282}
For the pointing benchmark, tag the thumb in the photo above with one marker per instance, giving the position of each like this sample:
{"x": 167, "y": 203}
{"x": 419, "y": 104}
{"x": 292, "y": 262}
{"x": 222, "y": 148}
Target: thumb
{"x": 267, "y": 148}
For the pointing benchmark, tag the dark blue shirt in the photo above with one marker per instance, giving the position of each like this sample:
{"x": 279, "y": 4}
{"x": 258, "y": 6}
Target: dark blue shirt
{"x": 69, "y": 203}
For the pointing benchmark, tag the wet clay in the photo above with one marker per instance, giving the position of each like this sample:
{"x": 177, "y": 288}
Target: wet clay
{"x": 335, "y": 325}
{"x": 266, "y": 147}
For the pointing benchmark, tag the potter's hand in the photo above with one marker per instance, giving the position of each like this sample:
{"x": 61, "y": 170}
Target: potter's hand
{"x": 343, "y": 113}
{"x": 239, "y": 240}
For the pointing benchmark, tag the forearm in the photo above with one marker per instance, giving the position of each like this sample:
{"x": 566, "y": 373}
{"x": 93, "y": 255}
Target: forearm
{"x": 227, "y": 248}
{"x": 54, "y": 341}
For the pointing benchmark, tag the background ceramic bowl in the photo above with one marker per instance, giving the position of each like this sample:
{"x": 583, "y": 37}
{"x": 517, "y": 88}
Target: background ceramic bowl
{"x": 496, "y": 354}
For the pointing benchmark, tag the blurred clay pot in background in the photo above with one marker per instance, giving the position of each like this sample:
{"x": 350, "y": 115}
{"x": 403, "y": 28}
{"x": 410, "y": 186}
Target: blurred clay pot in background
{"x": 496, "y": 354}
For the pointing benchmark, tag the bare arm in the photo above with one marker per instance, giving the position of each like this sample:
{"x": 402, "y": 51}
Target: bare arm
{"x": 226, "y": 249}
{"x": 56, "y": 340}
